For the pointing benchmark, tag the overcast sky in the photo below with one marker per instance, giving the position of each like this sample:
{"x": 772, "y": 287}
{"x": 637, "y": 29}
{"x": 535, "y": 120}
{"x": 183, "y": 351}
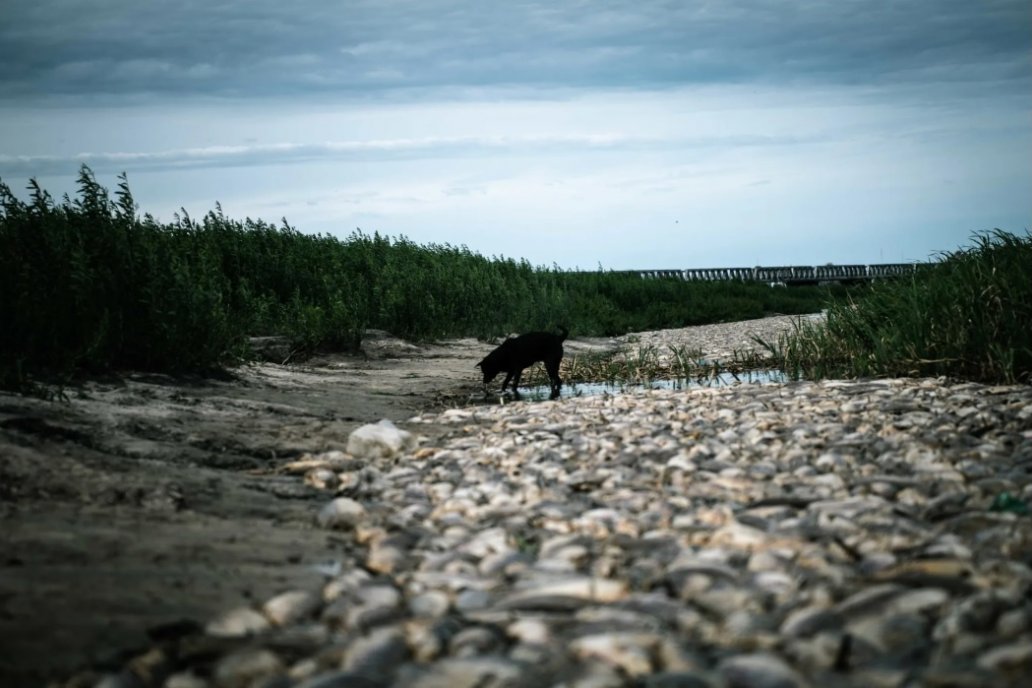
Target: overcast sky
{"x": 641, "y": 134}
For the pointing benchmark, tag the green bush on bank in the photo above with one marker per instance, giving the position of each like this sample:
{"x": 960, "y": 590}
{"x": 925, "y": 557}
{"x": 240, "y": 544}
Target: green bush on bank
{"x": 966, "y": 316}
{"x": 88, "y": 285}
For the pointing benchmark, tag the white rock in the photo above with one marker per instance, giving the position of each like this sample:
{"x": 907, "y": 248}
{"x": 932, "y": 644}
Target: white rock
{"x": 381, "y": 440}
{"x": 185, "y": 680}
{"x": 759, "y": 671}
{"x": 430, "y": 604}
{"x": 238, "y": 623}
{"x": 290, "y": 606}
{"x": 1015, "y": 658}
{"x": 585, "y": 589}
{"x": 341, "y": 512}
{"x": 632, "y": 652}
{"x": 474, "y": 672}
{"x": 247, "y": 667}
{"x": 378, "y": 653}
{"x": 531, "y": 631}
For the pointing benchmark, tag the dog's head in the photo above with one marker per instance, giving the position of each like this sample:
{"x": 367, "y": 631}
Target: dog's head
{"x": 494, "y": 362}
{"x": 489, "y": 369}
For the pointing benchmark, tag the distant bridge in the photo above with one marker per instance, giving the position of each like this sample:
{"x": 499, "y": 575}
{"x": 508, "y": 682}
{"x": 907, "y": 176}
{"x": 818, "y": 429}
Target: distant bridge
{"x": 791, "y": 274}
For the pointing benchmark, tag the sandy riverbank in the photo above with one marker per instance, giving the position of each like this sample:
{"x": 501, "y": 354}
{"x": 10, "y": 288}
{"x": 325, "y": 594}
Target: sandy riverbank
{"x": 144, "y": 507}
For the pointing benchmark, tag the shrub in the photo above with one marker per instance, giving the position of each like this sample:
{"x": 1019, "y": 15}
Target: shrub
{"x": 966, "y": 316}
{"x": 87, "y": 285}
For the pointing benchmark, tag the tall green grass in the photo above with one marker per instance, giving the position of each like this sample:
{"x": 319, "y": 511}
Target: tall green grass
{"x": 645, "y": 364}
{"x": 967, "y": 316}
{"x": 88, "y": 285}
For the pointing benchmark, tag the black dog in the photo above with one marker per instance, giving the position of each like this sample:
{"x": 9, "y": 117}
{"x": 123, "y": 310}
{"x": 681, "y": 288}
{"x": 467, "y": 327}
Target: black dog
{"x": 517, "y": 353}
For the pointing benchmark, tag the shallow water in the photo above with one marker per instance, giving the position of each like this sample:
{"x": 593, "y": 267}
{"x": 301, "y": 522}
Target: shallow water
{"x": 586, "y": 389}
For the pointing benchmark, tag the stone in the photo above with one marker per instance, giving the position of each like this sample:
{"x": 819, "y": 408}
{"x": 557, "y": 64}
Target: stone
{"x": 341, "y": 512}
{"x": 291, "y": 606}
{"x": 772, "y": 536}
{"x": 244, "y": 667}
{"x": 238, "y": 623}
{"x": 759, "y": 671}
{"x": 379, "y": 441}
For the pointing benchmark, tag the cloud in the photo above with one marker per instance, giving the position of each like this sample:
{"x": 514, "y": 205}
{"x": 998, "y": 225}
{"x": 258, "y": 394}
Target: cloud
{"x": 424, "y": 147}
{"x": 369, "y": 47}
{"x": 790, "y": 123}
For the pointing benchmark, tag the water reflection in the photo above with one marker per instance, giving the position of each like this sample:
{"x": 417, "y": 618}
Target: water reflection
{"x": 585, "y": 389}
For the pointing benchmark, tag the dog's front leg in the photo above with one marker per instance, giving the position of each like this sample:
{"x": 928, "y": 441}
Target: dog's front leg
{"x": 516, "y": 384}
{"x": 508, "y": 376}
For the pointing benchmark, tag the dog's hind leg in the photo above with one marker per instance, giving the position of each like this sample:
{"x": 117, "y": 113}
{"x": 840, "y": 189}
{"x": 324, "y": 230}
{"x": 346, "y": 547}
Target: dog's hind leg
{"x": 552, "y": 368}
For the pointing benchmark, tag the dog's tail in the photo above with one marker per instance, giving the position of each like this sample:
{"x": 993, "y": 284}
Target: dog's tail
{"x": 565, "y": 333}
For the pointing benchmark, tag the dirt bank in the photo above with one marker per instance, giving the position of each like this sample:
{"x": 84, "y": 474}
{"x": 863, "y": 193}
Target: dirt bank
{"x": 147, "y": 504}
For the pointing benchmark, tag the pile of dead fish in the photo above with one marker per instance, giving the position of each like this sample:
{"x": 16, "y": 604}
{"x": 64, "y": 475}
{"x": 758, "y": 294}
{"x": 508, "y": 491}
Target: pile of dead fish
{"x": 805, "y": 534}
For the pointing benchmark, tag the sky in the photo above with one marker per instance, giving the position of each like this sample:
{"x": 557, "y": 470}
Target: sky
{"x": 648, "y": 134}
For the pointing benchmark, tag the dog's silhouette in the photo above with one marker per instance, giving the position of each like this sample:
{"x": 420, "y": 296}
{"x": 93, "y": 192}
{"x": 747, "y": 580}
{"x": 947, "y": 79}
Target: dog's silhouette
{"x": 518, "y": 353}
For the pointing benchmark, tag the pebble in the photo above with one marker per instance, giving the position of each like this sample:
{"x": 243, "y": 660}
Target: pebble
{"x": 342, "y": 512}
{"x": 238, "y": 623}
{"x": 770, "y": 536}
{"x": 759, "y": 671}
{"x": 292, "y": 606}
{"x": 241, "y": 668}
{"x": 381, "y": 440}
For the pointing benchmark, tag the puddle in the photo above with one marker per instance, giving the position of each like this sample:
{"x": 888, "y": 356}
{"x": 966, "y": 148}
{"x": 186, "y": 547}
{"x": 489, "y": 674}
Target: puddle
{"x": 586, "y": 389}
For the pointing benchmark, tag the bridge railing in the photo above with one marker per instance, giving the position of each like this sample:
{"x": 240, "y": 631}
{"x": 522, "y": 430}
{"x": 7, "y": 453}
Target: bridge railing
{"x": 788, "y": 273}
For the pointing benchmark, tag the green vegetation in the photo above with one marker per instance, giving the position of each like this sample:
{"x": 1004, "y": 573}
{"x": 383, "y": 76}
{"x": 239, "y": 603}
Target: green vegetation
{"x": 968, "y": 316}
{"x": 87, "y": 285}
{"x": 646, "y": 364}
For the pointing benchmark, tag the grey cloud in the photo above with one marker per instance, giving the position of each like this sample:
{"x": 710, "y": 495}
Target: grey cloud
{"x": 270, "y": 47}
{"x": 260, "y": 154}
{"x": 14, "y": 166}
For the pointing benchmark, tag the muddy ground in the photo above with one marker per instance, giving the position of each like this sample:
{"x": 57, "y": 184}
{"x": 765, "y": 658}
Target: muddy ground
{"x": 147, "y": 504}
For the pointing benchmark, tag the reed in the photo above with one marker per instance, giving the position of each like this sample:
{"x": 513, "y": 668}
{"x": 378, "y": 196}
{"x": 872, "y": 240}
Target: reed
{"x": 966, "y": 316}
{"x": 88, "y": 285}
{"x": 642, "y": 365}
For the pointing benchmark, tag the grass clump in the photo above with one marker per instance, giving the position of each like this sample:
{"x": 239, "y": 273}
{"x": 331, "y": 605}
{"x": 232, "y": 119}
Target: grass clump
{"x": 644, "y": 364}
{"x": 87, "y": 285}
{"x": 966, "y": 316}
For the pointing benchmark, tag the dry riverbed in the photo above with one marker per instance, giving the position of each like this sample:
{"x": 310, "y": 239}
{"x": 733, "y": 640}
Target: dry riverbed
{"x": 177, "y": 532}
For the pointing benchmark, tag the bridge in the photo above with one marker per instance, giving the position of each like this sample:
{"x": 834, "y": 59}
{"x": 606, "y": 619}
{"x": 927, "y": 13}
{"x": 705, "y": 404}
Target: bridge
{"x": 791, "y": 274}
